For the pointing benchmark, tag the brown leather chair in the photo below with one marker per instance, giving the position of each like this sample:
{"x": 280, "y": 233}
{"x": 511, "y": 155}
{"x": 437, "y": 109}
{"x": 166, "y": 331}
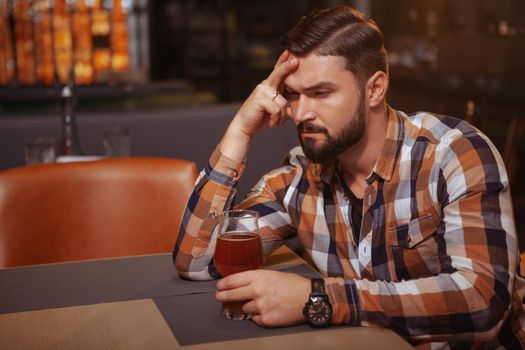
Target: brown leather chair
{"x": 85, "y": 210}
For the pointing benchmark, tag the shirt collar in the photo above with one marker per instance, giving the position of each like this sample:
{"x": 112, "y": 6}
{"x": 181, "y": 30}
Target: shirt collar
{"x": 327, "y": 171}
{"x": 386, "y": 161}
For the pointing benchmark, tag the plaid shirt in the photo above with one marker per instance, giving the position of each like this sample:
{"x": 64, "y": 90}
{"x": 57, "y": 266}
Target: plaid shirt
{"x": 437, "y": 253}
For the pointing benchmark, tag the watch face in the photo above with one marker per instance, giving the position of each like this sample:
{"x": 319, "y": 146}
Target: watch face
{"x": 319, "y": 312}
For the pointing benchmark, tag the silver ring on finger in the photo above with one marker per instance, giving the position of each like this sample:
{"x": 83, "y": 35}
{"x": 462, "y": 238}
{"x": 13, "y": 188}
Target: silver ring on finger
{"x": 275, "y": 96}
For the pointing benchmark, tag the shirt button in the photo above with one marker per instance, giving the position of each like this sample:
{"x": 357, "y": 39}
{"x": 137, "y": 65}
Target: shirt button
{"x": 371, "y": 194}
{"x": 345, "y": 197}
{"x": 364, "y": 251}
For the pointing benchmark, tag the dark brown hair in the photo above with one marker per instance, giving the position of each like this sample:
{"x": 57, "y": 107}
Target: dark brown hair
{"x": 340, "y": 31}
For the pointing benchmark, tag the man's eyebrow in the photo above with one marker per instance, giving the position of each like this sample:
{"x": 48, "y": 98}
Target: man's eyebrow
{"x": 320, "y": 85}
{"x": 316, "y": 86}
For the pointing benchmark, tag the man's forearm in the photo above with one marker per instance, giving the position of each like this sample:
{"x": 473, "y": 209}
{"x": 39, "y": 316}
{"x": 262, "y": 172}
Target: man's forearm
{"x": 212, "y": 194}
{"x": 438, "y": 308}
{"x": 235, "y": 143}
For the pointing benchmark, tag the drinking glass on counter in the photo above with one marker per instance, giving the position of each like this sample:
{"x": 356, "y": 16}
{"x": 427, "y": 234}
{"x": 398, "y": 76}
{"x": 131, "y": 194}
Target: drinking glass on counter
{"x": 116, "y": 141}
{"x": 40, "y": 150}
{"x": 238, "y": 249}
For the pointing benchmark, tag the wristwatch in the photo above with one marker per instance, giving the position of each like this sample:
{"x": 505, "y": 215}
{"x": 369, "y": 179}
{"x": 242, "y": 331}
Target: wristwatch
{"x": 318, "y": 310}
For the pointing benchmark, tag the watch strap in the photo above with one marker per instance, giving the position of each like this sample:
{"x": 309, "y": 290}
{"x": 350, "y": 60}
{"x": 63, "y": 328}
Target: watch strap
{"x": 318, "y": 286}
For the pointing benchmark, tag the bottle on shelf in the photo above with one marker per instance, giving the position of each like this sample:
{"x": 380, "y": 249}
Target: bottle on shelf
{"x": 70, "y": 142}
{"x": 7, "y": 61}
{"x": 83, "y": 43}
{"x": 43, "y": 32}
{"x": 63, "y": 40}
{"x": 24, "y": 45}
{"x": 100, "y": 31}
{"x": 119, "y": 38}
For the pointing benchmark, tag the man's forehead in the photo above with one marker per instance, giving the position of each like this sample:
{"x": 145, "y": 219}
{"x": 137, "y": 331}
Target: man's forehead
{"x": 314, "y": 70}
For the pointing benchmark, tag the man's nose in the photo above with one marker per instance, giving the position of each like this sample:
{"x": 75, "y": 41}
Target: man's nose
{"x": 302, "y": 109}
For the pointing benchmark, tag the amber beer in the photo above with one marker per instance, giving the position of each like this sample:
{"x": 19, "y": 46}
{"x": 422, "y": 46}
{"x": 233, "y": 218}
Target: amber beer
{"x": 237, "y": 252}
{"x": 238, "y": 249}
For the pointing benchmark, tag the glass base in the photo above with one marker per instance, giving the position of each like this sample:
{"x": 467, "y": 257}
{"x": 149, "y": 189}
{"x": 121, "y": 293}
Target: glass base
{"x": 233, "y": 311}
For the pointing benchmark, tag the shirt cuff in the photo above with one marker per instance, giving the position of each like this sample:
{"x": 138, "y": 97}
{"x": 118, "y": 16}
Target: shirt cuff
{"x": 344, "y": 298}
{"x": 224, "y": 170}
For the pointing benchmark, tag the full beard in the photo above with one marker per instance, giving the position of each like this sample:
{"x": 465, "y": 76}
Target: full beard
{"x": 328, "y": 150}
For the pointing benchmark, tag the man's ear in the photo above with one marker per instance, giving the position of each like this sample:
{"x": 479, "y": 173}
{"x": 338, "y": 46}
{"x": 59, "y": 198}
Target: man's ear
{"x": 376, "y": 88}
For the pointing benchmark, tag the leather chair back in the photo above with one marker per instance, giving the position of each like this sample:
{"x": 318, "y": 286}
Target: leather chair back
{"x": 85, "y": 210}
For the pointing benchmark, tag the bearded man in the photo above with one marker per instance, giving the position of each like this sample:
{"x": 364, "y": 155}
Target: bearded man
{"x": 408, "y": 217}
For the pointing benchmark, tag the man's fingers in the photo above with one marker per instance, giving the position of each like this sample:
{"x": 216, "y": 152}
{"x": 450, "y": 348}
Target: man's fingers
{"x": 264, "y": 321}
{"x": 275, "y": 119}
{"x": 283, "y": 105}
{"x": 284, "y": 56}
{"x": 258, "y": 320}
{"x": 280, "y": 101}
{"x": 236, "y": 280}
{"x": 237, "y": 294}
{"x": 270, "y": 92}
{"x": 254, "y": 306}
{"x": 278, "y": 118}
{"x": 276, "y": 77}
{"x": 274, "y": 108}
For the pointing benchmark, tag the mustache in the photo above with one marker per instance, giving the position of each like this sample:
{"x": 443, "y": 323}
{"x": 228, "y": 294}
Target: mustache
{"x": 310, "y": 127}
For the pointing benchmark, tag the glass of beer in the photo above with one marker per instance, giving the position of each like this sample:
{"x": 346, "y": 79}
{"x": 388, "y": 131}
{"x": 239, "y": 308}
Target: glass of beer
{"x": 238, "y": 249}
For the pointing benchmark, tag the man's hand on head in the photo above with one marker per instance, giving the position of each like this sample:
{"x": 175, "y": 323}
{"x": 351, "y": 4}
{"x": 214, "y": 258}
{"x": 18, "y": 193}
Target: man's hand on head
{"x": 264, "y": 108}
{"x": 273, "y": 298}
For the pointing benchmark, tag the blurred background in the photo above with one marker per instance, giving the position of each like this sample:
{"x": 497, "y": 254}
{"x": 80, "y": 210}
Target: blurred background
{"x": 172, "y": 73}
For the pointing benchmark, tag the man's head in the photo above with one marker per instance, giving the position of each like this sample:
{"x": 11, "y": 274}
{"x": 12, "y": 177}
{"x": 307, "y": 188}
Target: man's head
{"x": 340, "y": 31}
{"x": 340, "y": 52}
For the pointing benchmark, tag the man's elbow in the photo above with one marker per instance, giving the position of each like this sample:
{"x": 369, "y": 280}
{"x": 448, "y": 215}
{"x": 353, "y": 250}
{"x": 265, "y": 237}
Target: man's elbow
{"x": 182, "y": 264}
{"x": 488, "y": 321}
{"x": 184, "y": 274}
{"x": 190, "y": 272}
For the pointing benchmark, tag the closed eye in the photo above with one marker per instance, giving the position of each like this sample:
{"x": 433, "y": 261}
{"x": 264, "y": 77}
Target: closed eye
{"x": 291, "y": 95}
{"x": 321, "y": 93}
